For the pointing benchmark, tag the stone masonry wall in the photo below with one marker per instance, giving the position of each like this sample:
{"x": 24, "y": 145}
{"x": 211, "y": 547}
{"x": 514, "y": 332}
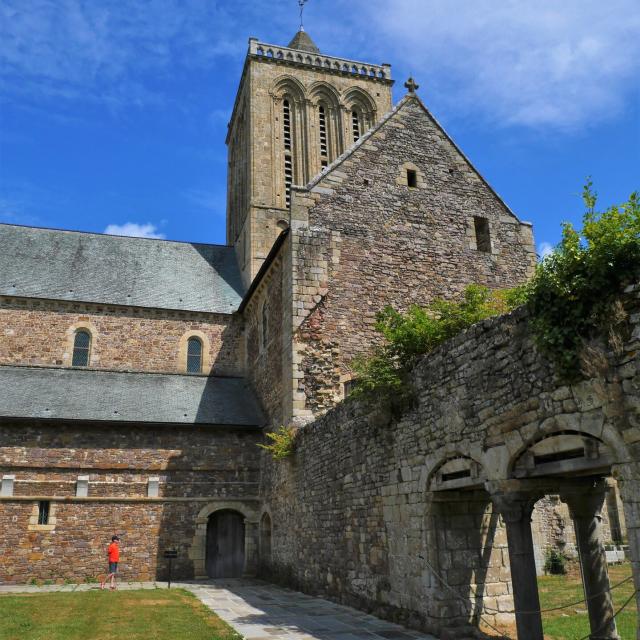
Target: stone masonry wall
{"x": 399, "y": 245}
{"x": 195, "y": 466}
{"x": 265, "y": 352}
{"x": 41, "y": 333}
{"x": 357, "y": 515}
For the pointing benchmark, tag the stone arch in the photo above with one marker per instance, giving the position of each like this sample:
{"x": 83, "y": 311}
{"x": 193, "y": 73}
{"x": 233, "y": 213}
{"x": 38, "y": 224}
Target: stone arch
{"x": 571, "y": 457}
{"x": 594, "y": 427}
{"x": 456, "y": 471}
{"x": 464, "y": 540}
{"x": 197, "y": 552}
{"x": 325, "y": 129}
{"x": 355, "y": 96}
{"x": 286, "y": 84}
{"x": 360, "y": 112}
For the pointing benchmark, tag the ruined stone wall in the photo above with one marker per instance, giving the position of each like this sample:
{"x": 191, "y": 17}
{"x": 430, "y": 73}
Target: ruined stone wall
{"x": 38, "y": 332}
{"x": 358, "y": 514}
{"x": 400, "y": 245}
{"x": 194, "y": 466}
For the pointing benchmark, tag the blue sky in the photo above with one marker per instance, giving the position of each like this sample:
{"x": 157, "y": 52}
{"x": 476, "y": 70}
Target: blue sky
{"x": 114, "y": 112}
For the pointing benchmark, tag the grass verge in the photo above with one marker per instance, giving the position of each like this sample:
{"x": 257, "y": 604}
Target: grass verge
{"x": 573, "y": 623}
{"x": 157, "y": 614}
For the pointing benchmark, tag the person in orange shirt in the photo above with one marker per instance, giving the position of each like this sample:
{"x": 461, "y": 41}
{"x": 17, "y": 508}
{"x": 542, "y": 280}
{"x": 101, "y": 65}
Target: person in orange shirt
{"x": 113, "y": 552}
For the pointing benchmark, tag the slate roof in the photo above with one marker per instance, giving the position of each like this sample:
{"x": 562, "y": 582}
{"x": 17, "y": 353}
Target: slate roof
{"x": 76, "y": 394}
{"x": 92, "y": 267}
{"x": 303, "y": 42}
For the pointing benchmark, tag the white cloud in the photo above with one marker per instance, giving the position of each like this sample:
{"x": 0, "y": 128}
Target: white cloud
{"x": 134, "y": 230}
{"x": 544, "y": 63}
{"x": 545, "y": 249}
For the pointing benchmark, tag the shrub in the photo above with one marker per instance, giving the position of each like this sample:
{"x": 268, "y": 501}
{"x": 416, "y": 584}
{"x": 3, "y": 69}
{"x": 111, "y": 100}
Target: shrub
{"x": 555, "y": 562}
{"x": 282, "y": 443}
{"x": 573, "y": 295}
{"x": 418, "y": 331}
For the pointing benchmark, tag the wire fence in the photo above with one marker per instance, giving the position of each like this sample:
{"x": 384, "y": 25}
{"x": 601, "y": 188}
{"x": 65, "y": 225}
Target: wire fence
{"x": 491, "y": 610}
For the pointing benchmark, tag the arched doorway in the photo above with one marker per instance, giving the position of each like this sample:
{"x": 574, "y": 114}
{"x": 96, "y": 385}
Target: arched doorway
{"x": 225, "y": 544}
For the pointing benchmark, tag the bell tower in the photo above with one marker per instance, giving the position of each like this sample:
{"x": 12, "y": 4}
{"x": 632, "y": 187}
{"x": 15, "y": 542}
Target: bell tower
{"x": 295, "y": 112}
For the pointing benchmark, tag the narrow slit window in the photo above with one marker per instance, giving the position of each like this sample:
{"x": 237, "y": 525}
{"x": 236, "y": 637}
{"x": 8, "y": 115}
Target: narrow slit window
{"x": 412, "y": 178}
{"x": 483, "y": 235}
{"x": 355, "y": 124}
{"x": 43, "y": 512}
{"x": 194, "y": 356}
{"x": 81, "y": 349}
{"x": 265, "y": 325}
{"x": 288, "y": 156}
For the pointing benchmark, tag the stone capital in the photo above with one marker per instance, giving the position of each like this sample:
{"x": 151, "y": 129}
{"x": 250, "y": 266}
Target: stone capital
{"x": 585, "y": 501}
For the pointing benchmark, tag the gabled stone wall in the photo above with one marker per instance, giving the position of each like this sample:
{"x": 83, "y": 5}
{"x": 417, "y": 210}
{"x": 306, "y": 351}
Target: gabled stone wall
{"x": 383, "y": 242}
{"x": 356, "y": 512}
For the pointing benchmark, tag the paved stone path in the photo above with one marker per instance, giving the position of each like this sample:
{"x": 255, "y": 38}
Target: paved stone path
{"x": 258, "y": 610}
{"x": 261, "y": 611}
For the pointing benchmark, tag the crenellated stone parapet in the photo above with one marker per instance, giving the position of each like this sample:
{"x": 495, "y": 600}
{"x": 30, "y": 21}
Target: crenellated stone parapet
{"x": 284, "y": 55}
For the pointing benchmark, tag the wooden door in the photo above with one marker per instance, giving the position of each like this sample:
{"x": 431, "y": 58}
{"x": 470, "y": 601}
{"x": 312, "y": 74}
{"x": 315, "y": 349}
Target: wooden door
{"x": 225, "y": 545}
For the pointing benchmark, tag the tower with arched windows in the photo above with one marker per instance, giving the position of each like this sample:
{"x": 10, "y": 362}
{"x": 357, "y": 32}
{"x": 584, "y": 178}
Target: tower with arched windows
{"x": 296, "y": 111}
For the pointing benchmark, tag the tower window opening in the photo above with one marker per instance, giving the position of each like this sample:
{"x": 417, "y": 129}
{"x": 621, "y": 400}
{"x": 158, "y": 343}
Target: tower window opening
{"x": 323, "y": 133}
{"x": 483, "y": 235}
{"x": 355, "y": 125}
{"x": 288, "y": 158}
{"x": 412, "y": 178}
{"x": 43, "y": 512}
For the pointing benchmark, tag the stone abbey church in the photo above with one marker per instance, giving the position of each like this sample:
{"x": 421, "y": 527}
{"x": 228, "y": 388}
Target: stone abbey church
{"x": 137, "y": 377}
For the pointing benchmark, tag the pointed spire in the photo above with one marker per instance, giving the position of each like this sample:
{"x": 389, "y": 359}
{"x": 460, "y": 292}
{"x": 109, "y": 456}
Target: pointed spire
{"x": 303, "y": 42}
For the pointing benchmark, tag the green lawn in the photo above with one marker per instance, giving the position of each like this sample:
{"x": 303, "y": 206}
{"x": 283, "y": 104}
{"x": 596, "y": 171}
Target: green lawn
{"x": 157, "y": 614}
{"x": 569, "y": 625}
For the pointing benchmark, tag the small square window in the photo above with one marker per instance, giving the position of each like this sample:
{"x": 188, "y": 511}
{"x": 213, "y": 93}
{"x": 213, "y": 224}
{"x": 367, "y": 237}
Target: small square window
{"x": 349, "y": 386}
{"x": 412, "y": 178}
{"x": 483, "y": 235}
{"x": 43, "y": 512}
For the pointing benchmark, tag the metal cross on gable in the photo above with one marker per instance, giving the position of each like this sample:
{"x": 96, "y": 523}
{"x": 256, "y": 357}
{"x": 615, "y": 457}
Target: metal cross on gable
{"x": 411, "y": 85}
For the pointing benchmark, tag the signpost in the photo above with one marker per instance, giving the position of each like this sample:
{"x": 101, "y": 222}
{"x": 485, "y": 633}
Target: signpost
{"x": 170, "y": 554}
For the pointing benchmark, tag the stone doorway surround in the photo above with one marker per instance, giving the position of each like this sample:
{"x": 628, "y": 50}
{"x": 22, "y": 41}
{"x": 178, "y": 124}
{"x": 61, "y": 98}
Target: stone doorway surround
{"x": 198, "y": 551}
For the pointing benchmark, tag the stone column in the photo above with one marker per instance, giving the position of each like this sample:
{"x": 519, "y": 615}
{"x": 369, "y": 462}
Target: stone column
{"x": 515, "y": 508}
{"x": 585, "y": 506}
{"x": 250, "y": 548}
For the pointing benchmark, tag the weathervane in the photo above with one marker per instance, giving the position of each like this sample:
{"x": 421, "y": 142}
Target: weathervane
{"x": 301, "y": 4}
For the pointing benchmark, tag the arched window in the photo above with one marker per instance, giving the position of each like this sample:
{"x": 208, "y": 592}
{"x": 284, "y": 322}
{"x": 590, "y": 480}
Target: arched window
{"x": 288, "y": 150}
{"x": 264, "y": 335}
{"x": 81, "y": 348}
{"x": 194, "y": 355}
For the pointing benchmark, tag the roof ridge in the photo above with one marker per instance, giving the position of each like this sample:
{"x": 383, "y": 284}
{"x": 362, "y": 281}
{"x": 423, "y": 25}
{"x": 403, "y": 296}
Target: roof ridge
{"x": 45, "y": 367}
{"x": 112, "y": 235}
